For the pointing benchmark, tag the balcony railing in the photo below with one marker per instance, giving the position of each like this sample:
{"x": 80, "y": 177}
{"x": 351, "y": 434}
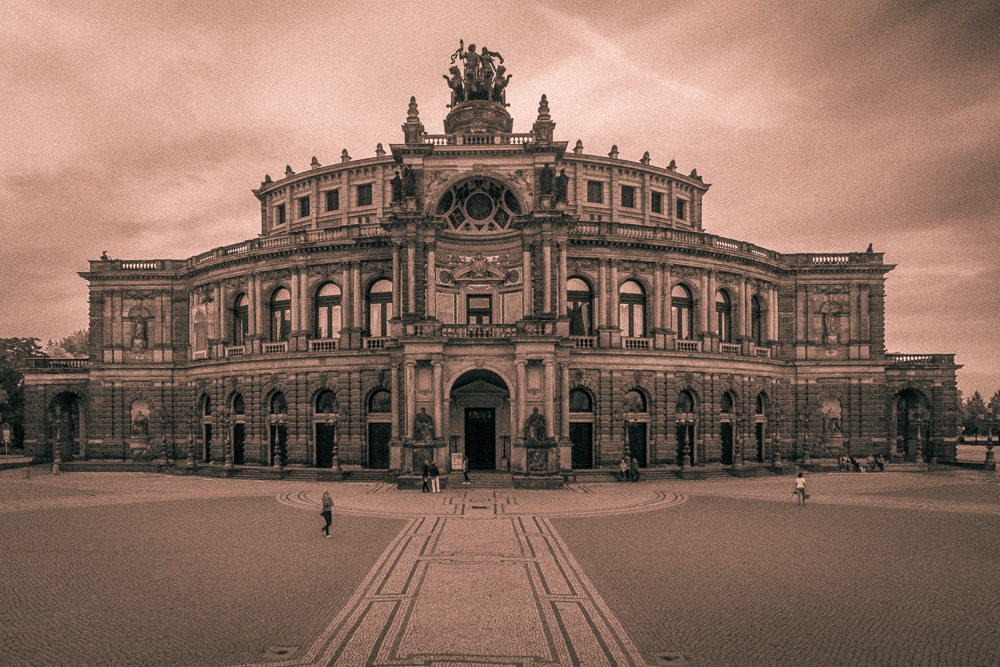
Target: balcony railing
{"x": 57, "y": 363}
{"x": 687, "y": 345}
{"x": 729, "y": 348}
{"x": 275, "y": 348}
{"x": 584, "y": 342}
{"x": 376, "y": 343}
{"x": 324, "y": 345}
{"x": 235, "y": 351}
{"x": 199, "y": 354}
{"x": 635, "y": 343}
{"x": 479, "y": 330}
{"x": 763, "y": 352}
{"x": 895, "y": 358}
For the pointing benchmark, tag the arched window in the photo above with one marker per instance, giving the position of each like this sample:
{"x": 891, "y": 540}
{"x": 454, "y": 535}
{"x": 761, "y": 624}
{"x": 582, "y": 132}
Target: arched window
{"x": 632, "y": 309}
{"x": 379, "y": 308}
{"x": 380, "y": 401}
{"x": 239, "y": 406}
{"x": 328, "y": 311}
{"x": 326, "y": 403}
{"x": 727, "y": 403}
{"x": 759, "y": 407}
{"x": 279, "y": 406}
{"x": 681, "y": 307}
{"x": 685, "y": 403}
{"x": 207, "y": 406}
{"x": 635, "y": 402}
{"x": 580, "y": 307}
{"x": 724, "y": 317}
{"x": 281, "y": 315}
{"x": 241, "y": 319}
{"x": 755, "y": 322}
{"x": 579, "y": 401}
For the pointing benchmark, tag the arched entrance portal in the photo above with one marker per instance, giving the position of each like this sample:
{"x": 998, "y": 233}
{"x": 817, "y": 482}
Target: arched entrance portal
{"x": 912, "y": 421}
{"x": 479, "y": 419}
{"x": 66, "y": 426}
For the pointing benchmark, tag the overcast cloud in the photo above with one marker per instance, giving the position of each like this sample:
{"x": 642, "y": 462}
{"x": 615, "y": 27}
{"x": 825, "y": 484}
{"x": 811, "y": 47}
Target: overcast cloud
{"x": 140, "y": 127}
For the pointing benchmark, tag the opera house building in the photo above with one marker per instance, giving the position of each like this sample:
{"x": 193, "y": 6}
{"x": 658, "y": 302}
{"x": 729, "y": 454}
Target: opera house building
{"x": 503, "y": 296}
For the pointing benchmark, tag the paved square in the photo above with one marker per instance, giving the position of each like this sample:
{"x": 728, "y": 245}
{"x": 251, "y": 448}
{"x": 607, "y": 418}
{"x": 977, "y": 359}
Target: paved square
{"x": 133, "y": 569}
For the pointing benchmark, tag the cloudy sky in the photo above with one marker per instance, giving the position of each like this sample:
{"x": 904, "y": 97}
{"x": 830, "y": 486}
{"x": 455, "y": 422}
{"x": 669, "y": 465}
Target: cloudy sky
{"x": 140, "y": 127}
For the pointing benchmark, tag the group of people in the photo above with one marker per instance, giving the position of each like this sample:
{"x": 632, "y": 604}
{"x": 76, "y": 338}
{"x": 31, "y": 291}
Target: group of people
{"x": 629, "y": 469}
{"x": 868, "y": 464}
{"x": 432, "y": 477}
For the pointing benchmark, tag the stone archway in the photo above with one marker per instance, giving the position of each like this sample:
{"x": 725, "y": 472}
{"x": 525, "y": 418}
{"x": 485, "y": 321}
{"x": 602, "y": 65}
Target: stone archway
{"x": 67, "y": 431}
{"x": 911, "y": 421}
{"x": 479, "y": 424}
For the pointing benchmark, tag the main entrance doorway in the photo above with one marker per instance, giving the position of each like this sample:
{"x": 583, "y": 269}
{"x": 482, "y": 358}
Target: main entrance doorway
{"x": 480, "y": 438}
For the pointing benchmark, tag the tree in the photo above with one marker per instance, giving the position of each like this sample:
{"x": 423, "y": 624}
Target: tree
{"x": 74, "y": 345}
{"x": 13, "y": 353}
{"x": 972, "y": 415}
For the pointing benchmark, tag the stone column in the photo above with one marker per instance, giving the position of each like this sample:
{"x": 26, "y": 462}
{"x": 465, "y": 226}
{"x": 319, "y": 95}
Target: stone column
{"x": 564, "y": 411}
{"x": 546, "y": 276}
{"x": 772, "y": 313}
{"x": 563, "y": 277}
{"x": 522, "y": 389}
{"x": 397, "y": 283}
{"x": 743, "y": 305}
{"x": 294, "y": 285}
{"x": 658, "y": 297}
{"x": 852, "y": 336}
{"x": 602, "y": 294}
{"x": 713, "y": 319}
{"x": 357, "y": 300}
{"x": 615, "y": 324}
{"x": 550, "y": 379}
{"x": 703, "y": 311}
{"x": 430, "y": 308}
{"x": 668, "y": 312}
{"x": 438, "y": 398}
{"x": 411, "y": 397}
{"x": 258, "y": 328}
{"x": 304, "y": 301}
{"x": 411, "y": 277}
{"x": 220, "y": 319}
{"x": 528, "y": 305}
{"x": 394, "y": 408}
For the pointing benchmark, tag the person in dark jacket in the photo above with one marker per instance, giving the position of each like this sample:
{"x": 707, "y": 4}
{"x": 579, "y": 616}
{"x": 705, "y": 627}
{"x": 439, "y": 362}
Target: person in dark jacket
{"x": 427, "y": 476}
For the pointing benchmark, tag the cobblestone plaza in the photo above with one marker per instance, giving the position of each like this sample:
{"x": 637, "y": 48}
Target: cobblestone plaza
{"x": 146, "y": 569}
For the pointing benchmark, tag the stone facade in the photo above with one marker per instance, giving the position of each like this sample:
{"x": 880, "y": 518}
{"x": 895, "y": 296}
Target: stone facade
{"x": 474, "y": 277}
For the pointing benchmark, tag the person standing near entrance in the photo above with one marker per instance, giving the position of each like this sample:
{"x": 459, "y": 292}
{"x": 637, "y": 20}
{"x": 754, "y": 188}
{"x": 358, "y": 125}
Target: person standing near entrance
{"x": 465, "y": 469}
{"x": 327, "y": 512}
{"x": 634, "y": 470}
{"x": 800, "y": 489}
{"x": 623, "y": 468}
{"x": 427, "y": 476}
{"x": 435, "y": 478}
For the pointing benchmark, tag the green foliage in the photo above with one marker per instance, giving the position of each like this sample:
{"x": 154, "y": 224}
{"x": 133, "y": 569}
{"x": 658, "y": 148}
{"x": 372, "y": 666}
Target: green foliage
{"x": 13, "y": 352}
{"x": 74, "y": 345}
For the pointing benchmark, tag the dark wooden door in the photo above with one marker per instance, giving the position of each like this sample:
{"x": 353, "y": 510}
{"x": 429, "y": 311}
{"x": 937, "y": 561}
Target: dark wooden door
{"x": 480, "y": 438}
{"x": 208, "y": 443}
{"x": 581, "y": 435}
{"x": 239, "y": 436}
{"x": 324, "y": 445}
{"x": 637, "y": 442}
{"x": 379, "y": 435}
{"x": 726, "y": 435}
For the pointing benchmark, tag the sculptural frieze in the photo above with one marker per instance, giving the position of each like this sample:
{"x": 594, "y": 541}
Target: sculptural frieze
{"x": 484, "y": 76}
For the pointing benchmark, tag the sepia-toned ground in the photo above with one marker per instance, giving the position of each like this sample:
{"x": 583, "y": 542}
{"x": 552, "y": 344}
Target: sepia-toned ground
{"x": 144, "y": 569}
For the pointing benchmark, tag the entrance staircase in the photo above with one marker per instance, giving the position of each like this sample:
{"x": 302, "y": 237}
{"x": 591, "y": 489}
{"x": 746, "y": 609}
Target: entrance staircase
{"x": 482, "y": 479}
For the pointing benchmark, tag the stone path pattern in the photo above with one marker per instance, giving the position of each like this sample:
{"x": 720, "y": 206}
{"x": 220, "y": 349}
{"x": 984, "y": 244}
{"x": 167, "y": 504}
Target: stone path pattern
{"x": 133, "y": 569}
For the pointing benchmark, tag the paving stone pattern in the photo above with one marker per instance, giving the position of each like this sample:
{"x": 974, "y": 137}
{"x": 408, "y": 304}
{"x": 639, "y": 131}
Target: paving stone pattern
{"x": 134, "y": 569}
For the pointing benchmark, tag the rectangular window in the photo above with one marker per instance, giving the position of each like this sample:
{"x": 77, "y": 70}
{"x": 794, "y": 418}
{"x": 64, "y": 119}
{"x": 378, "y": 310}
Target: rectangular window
{"x": 365, "y": 194}
{"x": 304, "y": 207}
{"x": 280, "y": 210}
{"x": 332, "y": 200}
{"x": 628, "y": 196}
{"x": 595, "y": 192}
{"x": 681, "y": 209}
{"x": 656, "y": 202}
{"x": 479, "y": 309}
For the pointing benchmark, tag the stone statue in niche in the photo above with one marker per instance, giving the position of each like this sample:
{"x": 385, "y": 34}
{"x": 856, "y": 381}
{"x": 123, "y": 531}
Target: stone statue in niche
{"x": 562, "y": 186}
{"x": 397, "y": 188}
{"x": 830, "y": 334}
{"x": 409, "y": 182}
{"x": 139, "y": 334}
{"x": 140, "y": 425}
{"x": 423, "y": 426}
{"x": 535, "y": 427}
{"x": 546, "y": 180}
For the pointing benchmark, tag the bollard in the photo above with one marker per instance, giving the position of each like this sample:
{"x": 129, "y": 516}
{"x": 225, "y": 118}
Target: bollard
{"x": 27, "y": 473}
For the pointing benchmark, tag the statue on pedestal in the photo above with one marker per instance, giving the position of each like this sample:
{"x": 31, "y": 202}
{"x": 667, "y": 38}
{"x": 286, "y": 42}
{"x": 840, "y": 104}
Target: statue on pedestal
{"x": 423, "y": 427}
{"x": 535, "y": 427}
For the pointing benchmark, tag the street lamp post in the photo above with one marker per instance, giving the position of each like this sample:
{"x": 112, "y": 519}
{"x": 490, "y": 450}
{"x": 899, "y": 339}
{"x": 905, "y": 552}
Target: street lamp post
{"x": 335, "y": 420}
{"x": 776, "y": 451}
{"x": 918, "y": 450}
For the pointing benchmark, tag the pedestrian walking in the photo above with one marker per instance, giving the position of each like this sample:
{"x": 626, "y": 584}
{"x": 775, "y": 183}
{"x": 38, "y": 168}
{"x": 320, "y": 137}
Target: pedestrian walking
{"x": 623, "y": 468}
{"x": 465, "y": 470}
{"x": 800, "y": 489}
{"x": 435, "y": 478}
{"x": 327, "y": 512}
{"x": 634, "y": 469}
{"x": 427, "y": 477}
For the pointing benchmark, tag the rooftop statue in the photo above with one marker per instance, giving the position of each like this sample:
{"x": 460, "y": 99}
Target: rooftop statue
{"x": 482, "y": 79}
